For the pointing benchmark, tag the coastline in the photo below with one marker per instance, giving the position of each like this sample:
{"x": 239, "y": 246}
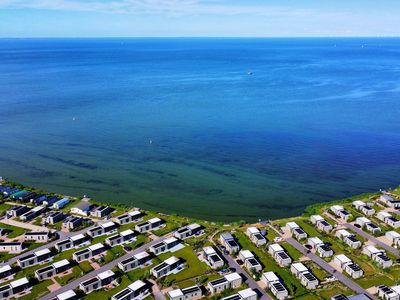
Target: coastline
{"x": 274, "y": 232}
{"x": 307, "y": 211}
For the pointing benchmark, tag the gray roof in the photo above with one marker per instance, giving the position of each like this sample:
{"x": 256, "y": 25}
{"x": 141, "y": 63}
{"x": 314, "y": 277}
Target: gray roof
{"x": 83, "y": 205}
{"x": 227, "y": 236}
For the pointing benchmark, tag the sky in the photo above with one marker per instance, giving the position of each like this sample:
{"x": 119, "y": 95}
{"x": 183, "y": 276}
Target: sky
{"x": 199, "y": 18}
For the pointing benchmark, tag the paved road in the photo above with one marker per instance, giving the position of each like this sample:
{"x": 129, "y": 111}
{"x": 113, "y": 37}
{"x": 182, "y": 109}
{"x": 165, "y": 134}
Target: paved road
{"x": 62, "y": 236}
{"x": 74, "y": 284}
{"x": 159, "y": 296}
{"x": 372, "y": 239}
{"x": 156, "y": 291}
{"x": 323, "y": 264}
{"x": 24, "y": 225}
{"x": 249, "y": 280}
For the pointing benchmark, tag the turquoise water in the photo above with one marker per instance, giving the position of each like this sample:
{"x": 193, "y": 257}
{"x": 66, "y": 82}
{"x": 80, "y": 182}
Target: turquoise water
{"x": 222, "y": 129}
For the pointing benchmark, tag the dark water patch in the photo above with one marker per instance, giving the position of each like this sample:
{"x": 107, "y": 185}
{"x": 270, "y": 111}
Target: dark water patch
{"x": 33, "y": 170}
{"x": 70, "y": 162}
{"x": 96, "y": 181}
{"x": 214, "y": 192}
{"x": 321, "y": 195}
{"x": 81, "y": 188}
{"x": 276, "y": 206}
{"x": 160, "y": 172}
{"x": 44, "y": 174}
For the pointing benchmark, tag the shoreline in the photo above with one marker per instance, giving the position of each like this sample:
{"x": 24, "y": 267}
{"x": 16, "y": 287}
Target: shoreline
{"x": 330, "y": 278}
{"x": 307, "y": 211}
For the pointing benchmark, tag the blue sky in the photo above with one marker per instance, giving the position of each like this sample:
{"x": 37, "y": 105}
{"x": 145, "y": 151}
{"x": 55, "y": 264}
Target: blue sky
{"x": 270, "y": 18}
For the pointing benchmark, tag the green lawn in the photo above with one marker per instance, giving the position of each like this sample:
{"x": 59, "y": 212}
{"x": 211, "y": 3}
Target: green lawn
{"x": 326, "y": 292}
{"x": 85, "y": 267}
{"x": 169, "y": 226}
{"x": 193, "y": 268}
{"x": 140, "y": 240}
{"x": 3, "y": 208}
{"x": 203, "y": 280}
{"x": 16, "y": 231}
{"x": 76, "y": 273}
{"x": 374, "y": 280}
{"x": 139, "y": 273}
{"x": 271, "y": 235}
{"x": 318, "y": 272}
{"x": 308, "y": 227}
{"x": 37, "y": 221}
{"x": 38, "y": 290}
{"x": 293, "y": 252}
{"x": 6, "y": 256}
{"x": 112, "y": 254}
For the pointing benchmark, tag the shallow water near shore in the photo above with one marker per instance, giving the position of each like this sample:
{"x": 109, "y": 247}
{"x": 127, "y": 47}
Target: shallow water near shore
{"x": 221, "y": 129}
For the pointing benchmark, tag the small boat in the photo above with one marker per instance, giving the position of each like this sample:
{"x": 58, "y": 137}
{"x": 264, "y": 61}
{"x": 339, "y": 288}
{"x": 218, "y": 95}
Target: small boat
{"x": 150, "y": 141}
{"x": 249, "y": 73}
{"x": 73, "y": 119}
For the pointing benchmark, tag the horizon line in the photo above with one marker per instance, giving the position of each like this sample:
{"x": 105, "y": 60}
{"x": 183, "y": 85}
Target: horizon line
{"x": 198, "y": 37}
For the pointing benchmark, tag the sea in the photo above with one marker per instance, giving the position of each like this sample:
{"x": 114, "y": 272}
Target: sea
{"x": 222, "y": 129}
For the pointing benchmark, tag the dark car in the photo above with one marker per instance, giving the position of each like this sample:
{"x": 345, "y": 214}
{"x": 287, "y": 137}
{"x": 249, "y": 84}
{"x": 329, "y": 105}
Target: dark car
{"x": 127, "y": 248}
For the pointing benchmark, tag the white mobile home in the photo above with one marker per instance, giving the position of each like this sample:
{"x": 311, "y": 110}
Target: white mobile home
{"x": 141, "y": 259}
{"x": 275, "y": 285}
{"x": 229, "y": 281}
{"x": 212, "y": 258}
{"x": 189, "y": 293}
{"x": 11, "y": 247}
{"x": 348, "y": 266}
{"x": 6, "y": 273}
{"x": 229, "y": 242}
{"x": 130, "y": 217}
{"x": 280, "y": 255}
{"x": 387, "y": 293}
{"x": 349, "y": 238}
{"x": 378, "y": 256}
{"x": 255, "y": 236}
{"x": 306, "y": 278}
{"x": 389, "y": 201}
{"x": 152, "y": 224}
{"x": 166, "y": 245}
{"x": 168, "y": 266}
{"x": 363, "y": 207}
{"x": 340, "y": 212}
{"x": 393, "y": 237}
{"x": 189, "y": 231}
{"x": 249, "y": 261}
{"x": 135, "y": 291}
{"x": 320, "y": 223}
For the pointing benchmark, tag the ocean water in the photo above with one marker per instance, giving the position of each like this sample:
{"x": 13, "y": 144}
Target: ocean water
{"x": 221, "y": 129}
